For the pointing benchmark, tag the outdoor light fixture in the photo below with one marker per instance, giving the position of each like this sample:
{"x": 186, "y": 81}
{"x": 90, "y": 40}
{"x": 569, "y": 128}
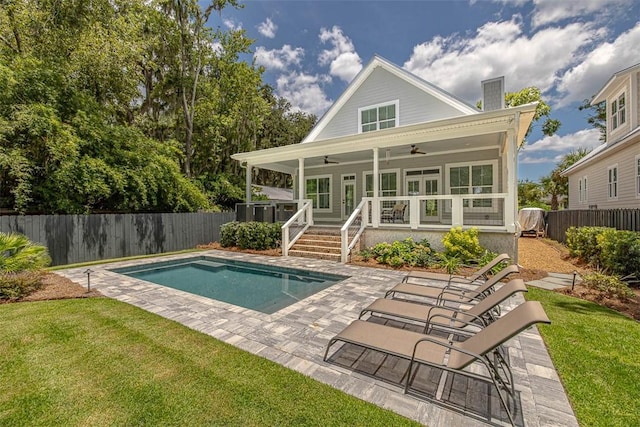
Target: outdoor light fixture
{"x": 88, "y": 273}
{"x": 575, "y": 273}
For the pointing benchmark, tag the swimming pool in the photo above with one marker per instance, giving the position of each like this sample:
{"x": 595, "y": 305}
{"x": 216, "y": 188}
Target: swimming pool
{"x": 258, "y": 287}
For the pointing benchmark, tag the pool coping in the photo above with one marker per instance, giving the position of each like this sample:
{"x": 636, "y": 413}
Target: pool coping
{"x": 296, "y": 336}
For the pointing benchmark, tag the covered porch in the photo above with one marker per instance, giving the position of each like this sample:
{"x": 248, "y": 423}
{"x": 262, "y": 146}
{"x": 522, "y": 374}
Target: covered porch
{"x": 431, "y": 176}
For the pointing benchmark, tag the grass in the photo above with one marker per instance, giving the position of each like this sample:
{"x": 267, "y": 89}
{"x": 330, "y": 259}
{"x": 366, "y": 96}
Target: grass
{"x": 102, "y": 362}
{"x": 596, "y": 353}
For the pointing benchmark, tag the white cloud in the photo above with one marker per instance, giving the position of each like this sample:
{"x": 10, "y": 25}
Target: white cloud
{"x": 344, "y": 61}
{"x": 458, "y": 64}
{"x": 231, "y": 24}
{"x": 551, "y": 149}
{"x": 278, "y": 59}
{"x": 552, "y": 11}
{"x": 268, "y": 28}
{"x": 587, "y": 78}
{"x": 304, "y": 91}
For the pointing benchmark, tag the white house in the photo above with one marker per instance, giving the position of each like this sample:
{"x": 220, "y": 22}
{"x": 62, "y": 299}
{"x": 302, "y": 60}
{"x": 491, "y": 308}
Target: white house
{"x": 440, "y": 162}
{"x": 609, "y": 176}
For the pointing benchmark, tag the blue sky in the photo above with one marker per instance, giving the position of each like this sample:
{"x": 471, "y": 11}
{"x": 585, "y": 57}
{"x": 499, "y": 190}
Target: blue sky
{"x": 568, "y": 48}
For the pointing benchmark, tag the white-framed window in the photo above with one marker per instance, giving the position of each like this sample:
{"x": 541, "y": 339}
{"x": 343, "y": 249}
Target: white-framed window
{"x": 473, "y": 178}
{"x": 379, "y": 116}
{"x": 389, "y": 185}
{"x": 618, "y": 111}
{"x": 582, "y": 189}
{"x": 612, "y": 173}
{"x": 318, "y": 189}
{"x": 637, "y": 168}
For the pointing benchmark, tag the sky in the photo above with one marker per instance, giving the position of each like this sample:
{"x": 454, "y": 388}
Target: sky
{"x": 311, "y": 50}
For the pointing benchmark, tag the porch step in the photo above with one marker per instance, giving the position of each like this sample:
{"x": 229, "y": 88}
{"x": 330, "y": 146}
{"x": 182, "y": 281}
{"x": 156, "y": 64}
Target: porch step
{"x": 316, "y": 255}
{"x": 320, "y": 230}
{"x": 319, "y": 238}
{"x": 317, "y": 248}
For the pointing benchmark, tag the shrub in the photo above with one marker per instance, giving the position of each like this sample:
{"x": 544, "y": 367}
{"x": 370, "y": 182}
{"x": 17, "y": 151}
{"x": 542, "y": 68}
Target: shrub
{"x": 250, "y": 235}
{"x": 18, "y": 253}
{"x": 463, "y": 244}
{"x": 450, "y": 263}
{"x": 17, "y": 285}
{"x": 583, "y": 242}
{"x": 402, "y": 252}
{"x": 619, "y": 251}
{"x": 610, "y": 286}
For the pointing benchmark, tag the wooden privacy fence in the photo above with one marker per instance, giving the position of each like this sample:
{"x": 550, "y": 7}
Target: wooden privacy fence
{"x": 621, "y": 219}
{"x": 80, "y": 238}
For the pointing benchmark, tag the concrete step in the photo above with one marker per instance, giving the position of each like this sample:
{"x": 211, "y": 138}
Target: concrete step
{"x": 316, "y": 255}
{"x": 324, "y": 231}
{"x": 316, "y": 248}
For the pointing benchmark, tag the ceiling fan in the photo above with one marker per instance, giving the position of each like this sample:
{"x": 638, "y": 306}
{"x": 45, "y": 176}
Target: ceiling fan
{"x": 416, "y": 150}
{"x": 327, "y": 161}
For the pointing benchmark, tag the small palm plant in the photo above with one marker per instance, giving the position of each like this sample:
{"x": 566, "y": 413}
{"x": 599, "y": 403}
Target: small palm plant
{"x": 21, "y": 264}
{"x": 18, "y": 253}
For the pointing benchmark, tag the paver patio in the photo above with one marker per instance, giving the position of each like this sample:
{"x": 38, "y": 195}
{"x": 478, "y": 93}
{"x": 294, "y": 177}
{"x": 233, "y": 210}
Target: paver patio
{"x": 296, "y": 337}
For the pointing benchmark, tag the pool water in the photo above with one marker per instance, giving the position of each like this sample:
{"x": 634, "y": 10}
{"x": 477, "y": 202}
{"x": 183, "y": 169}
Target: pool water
{"x": 258, "y": 287}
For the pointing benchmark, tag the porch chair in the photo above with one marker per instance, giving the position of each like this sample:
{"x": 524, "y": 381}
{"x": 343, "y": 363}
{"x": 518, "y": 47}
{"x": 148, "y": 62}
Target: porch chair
{"x": 421, "y": 349}
{"x": 451, "y": 292}
{"x": 479, "y": 315}
{"x": 393, "y": 214}
{"x": 480, "y": 274}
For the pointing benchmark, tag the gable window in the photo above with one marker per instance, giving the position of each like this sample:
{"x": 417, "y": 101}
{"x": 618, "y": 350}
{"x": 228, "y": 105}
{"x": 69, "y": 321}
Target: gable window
{"x": 319, "y": 191}
{"x": 613, "y": 181}
{"x": 377, "y": 117}
{"x": 618, "y": 111}
{"x": 473, "y": 179}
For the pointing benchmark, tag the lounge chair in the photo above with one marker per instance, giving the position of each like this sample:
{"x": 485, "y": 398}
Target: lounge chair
{"x": 451, "y": 292}
{"x": 394, "y": 214}
{"x": 480, "y": 315}
{"x": 433, "y": 351}
{"x": 480, "y": 274}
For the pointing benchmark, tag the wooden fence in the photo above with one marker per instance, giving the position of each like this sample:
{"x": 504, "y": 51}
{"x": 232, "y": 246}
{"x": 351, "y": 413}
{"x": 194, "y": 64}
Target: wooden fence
{"x": 621, "y": 219}
{"x": 80, "y": 238}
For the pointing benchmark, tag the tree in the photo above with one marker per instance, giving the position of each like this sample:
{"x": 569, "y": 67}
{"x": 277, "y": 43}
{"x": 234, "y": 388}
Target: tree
{"x": 598, "y": 117}
{"x": 530, "y": 195}
{"x": 555, "y": 184}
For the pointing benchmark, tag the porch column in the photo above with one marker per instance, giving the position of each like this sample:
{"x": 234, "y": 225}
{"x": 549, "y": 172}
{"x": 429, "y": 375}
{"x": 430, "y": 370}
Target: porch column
{"x": 511, "y": 201}
{"x": 301, "y": 185}
{"x": 375, "y": 206}
{"x": 248, "y": 183}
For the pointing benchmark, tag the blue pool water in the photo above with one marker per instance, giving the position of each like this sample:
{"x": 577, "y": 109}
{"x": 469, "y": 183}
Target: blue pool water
{"x": 258, "y": 287}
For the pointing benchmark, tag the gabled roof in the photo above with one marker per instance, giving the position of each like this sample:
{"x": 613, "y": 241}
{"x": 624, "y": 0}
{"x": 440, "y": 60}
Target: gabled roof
{"x": 361, "y": 77}
{"x": 600, "y": 96}
{"x": 602, "y": 150}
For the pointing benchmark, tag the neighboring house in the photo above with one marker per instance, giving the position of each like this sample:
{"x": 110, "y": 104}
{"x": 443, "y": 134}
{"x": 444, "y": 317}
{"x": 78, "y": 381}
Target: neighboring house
{"x": 439, "y": 161}
{"x": 609, "y": 176}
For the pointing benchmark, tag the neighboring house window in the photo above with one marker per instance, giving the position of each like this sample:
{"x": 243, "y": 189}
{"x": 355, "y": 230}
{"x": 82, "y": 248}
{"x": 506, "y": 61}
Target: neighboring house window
{"x": 473, "y": 179}
{"x": 582, "y": 189}
{"x": 638, "y": 176}
{"x": 319, "y": 190}
{"x": 618, "y": 111}
{"x": 613, "y": 181}
{"x": 376, "y": 117}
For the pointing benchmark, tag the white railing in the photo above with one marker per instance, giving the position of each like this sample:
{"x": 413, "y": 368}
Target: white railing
{"x": 353, "y": 228}
{"x": 442, "y": 211}
{"x": 295, "y": 227}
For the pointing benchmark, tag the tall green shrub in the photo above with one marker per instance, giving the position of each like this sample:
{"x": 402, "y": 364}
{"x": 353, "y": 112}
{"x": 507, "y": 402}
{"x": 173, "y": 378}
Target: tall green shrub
{"x": 18, "y": 253}
{"x": 463, "y": 244}
{"x": 251, "y": 235}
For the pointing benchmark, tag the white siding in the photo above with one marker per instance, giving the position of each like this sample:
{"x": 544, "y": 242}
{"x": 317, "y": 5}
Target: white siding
{"x": 597, "y": 179}
{"x": 416, "y": 106}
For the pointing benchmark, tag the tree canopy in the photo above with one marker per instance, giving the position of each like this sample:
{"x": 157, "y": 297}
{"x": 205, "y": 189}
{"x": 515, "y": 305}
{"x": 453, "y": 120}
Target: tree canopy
{"x": 128, "y": 105}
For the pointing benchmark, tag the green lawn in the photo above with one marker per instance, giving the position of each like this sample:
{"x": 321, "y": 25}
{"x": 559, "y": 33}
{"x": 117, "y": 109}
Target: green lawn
{"x": 597, "y": 354}
{"x": 102, "y": 362}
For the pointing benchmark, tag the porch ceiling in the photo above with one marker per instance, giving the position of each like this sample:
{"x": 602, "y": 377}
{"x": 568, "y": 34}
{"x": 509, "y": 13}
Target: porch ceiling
{"x": 468, "y": 133}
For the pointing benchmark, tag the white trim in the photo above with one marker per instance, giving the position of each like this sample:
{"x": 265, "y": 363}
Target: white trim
{"x": 395, "y": 102}
{"x": 330, "y": 176}
{"x": 616, "y": 182}
{"x": 380, "y": 172}
{"x": 636, "y": 167}
{"x": 494, "y": 184}
{"x": 342, "y": 194}
{"x": 610, "y": 115}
